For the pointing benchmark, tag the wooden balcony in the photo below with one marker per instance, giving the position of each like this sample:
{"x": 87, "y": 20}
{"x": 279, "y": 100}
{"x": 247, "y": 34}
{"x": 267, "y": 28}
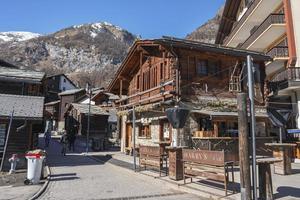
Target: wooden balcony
{"x": 279, "y": 52}
{"x": 270, "y": 23}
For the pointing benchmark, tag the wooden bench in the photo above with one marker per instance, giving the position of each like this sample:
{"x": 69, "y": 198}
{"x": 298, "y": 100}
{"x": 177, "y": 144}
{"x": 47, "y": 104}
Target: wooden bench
{"x": 153, "y": 157}
{"x": 211, "y": 165}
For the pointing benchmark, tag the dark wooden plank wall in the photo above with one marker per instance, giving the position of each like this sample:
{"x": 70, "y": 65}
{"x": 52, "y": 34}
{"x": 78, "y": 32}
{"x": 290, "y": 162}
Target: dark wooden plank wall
{"x": 154, "y": 71}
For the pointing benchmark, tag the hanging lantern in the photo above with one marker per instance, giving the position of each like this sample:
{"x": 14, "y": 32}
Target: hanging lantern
{"x": 177, "y": 116}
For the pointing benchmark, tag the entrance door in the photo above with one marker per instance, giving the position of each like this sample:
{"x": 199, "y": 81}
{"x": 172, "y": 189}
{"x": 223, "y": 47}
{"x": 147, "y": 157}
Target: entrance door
{"x": 128, "y": 141}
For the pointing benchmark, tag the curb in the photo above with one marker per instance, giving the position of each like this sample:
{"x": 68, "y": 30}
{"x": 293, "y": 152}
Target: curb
{"x": 44, "y": 187}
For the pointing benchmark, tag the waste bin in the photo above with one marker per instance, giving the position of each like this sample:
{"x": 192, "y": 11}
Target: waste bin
{"x": 34, "y": 167}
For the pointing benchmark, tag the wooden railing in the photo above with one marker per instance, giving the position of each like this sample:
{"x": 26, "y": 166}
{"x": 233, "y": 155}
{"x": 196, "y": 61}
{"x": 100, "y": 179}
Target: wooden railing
{"x": 279, "y": 51}
{"x": 292, "y": 73}
{"x": 258, "y": 30}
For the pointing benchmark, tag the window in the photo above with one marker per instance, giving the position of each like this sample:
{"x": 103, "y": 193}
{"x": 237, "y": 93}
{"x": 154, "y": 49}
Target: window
{"x": 213, "y": 67}
{"x": 64, "y": 89}
{"x": 146, "y": 80}
{"x": 202, "y": 68}
{"x": 144, "y": 131}
{"x": 64, "y": 80}
{"x": 161, "y": 71}
{"x": 138, "y": 82}
{"x": 2, "y": 136}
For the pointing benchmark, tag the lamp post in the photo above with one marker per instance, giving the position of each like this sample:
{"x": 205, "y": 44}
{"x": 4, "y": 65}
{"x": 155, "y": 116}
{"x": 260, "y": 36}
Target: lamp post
{"x": 89, "y": 92}
{"x": 252, "y": 122}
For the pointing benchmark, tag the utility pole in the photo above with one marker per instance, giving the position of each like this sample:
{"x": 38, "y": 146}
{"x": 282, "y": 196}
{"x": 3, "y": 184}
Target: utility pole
{"x": 252, "y": 122}
{"x": 89, "y": 91}
{"x": 133, "y": 127}
{"x": 244, "y": 147}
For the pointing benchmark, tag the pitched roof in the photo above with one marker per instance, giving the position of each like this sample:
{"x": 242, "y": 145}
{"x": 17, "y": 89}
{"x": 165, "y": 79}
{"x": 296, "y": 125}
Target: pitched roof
{"x": 69, "y": 92}
{"x": 84, "y": 109}
{"x": 52, "y": 103}
{"x": 24, "y": 107}
{"x": 176, "y": 42}
{"x": 55, "y": 75}
{"x": 171, "y": 42}
{"x": 20, "y": 75}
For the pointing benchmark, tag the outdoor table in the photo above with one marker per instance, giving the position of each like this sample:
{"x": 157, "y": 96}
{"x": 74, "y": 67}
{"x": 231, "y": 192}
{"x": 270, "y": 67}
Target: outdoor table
{"x": 284, "y": 152}
{"x": 265, "y": 177}
{"x": 175, "y": 162}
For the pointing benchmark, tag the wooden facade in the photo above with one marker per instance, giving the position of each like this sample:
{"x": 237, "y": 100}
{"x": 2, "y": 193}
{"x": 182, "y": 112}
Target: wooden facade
{"x": 21, "y": 93}
{"x": 158, "y": 74}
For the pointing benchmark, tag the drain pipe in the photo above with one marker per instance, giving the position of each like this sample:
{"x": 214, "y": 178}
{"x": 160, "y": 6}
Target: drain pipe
{"x": 296, "y": 99}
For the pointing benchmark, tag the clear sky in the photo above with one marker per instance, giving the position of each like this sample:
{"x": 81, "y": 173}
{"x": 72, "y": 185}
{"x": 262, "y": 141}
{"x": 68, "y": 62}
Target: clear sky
{"x": 150, "y": 19}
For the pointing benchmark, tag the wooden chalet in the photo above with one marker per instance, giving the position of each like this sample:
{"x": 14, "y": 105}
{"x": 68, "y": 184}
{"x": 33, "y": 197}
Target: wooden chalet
{"x": 21, "y": 96}
{"x": 160, "y": 73}
{"x": 67, "y": 97}
{"x": 56, "y": 84}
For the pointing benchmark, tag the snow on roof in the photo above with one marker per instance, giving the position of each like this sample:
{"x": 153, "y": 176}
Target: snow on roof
{"x": 73, "y": 91}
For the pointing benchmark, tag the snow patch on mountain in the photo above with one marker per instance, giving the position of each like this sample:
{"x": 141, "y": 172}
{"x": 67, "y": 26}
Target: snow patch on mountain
{"x": 17, "y": 36}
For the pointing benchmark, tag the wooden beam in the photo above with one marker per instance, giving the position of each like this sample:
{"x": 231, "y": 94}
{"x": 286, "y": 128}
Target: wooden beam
{"x": 121, "y": 87}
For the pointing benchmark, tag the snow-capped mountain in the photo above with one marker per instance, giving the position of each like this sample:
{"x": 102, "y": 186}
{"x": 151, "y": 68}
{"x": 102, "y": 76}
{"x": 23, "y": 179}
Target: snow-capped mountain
{"x": 17, "y": 36}
{"x": 88, "y": 52}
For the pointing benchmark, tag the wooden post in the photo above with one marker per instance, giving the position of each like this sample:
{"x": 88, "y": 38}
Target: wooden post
{"x": 244, "y": 147}
{"x": 121, "y": 87}
{"x": 265, "y": 181}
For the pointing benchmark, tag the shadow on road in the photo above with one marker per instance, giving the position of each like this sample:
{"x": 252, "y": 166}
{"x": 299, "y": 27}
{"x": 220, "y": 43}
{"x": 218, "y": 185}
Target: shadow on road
{"x": 63, "y": 177}
{"x": 285, "y": 191}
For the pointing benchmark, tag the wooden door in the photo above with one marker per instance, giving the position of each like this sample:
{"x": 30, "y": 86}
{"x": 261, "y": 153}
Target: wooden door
{"x": 128, "y": 141}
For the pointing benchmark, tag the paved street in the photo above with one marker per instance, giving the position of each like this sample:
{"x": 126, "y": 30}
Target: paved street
{"x": 76, "y": 176}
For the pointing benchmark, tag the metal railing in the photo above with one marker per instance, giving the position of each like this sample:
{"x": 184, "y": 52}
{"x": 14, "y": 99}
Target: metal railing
{"x": 292, "y": 73}
{"x": 279, "y": 51}
{"x": 258, "y": 30}
{"x": 251, "y": 6}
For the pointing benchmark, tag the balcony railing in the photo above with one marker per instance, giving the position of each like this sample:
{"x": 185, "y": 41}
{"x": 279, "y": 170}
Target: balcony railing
{"x": 292, "y": 74}
{"x": 238, "y": 24}
{"x": 258, "y": 30}
{"x": 279, "y": 51}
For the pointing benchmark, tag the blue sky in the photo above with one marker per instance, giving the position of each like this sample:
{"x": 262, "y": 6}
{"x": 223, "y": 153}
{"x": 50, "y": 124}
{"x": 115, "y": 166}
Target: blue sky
{"x": 150, "y": 19}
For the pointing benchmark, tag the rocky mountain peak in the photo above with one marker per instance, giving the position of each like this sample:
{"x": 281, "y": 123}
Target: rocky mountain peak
{"x": 208, "y": 31}
{"x": 82, "y": 51}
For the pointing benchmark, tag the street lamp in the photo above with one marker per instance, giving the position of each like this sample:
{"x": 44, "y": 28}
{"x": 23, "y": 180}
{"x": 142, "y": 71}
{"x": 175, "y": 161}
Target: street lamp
{"x": 89, "y": 93}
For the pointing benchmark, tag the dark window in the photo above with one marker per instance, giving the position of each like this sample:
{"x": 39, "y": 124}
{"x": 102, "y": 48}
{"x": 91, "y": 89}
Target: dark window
{"x": 64, "y": 80}
{"x": 64, "y": 89}
{"x": 138, "y": 82}
{"x": 213, "y": 67}
{"x": 144, "y": 131}
{"x": 161, "y": 71}
{"x": 2, "y": 136}
{"x": 202, "y": 68}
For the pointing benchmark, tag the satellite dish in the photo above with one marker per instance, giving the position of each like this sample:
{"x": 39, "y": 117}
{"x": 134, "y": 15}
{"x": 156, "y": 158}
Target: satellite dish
{"x": 177, "y": 116}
